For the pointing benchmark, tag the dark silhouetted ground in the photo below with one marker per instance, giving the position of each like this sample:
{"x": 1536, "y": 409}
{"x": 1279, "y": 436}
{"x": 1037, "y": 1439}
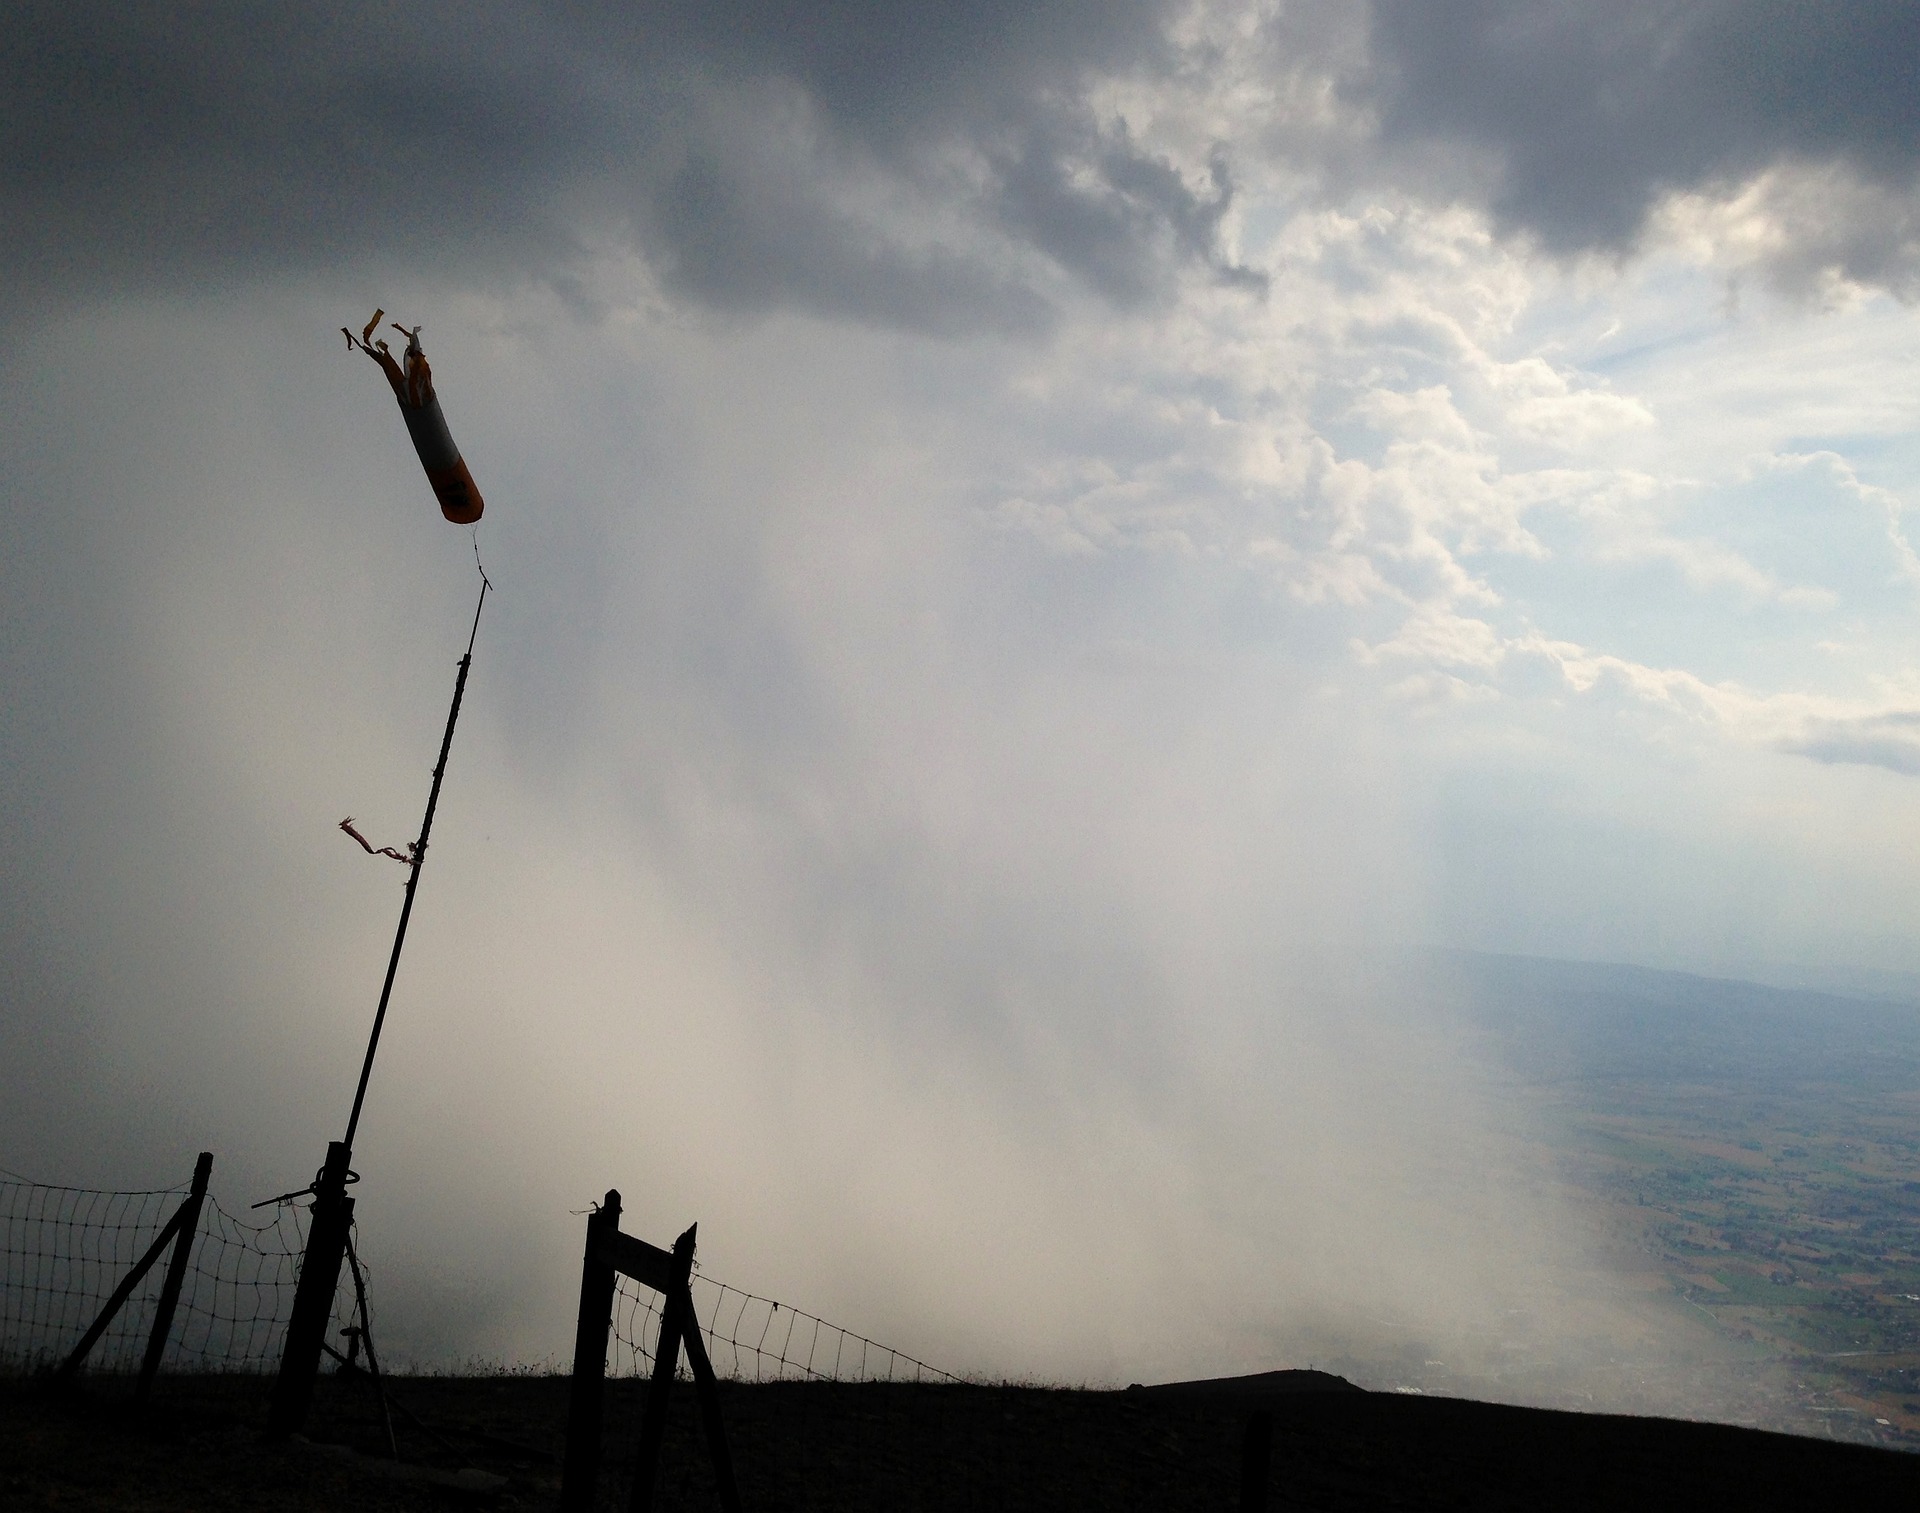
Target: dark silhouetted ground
{"x": 495, "y": 1442}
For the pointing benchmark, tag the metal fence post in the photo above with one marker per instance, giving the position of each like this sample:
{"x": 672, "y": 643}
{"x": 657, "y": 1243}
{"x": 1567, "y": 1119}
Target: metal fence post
{"x": 176, "y": 1274}
{"x": 582, "y": 1464}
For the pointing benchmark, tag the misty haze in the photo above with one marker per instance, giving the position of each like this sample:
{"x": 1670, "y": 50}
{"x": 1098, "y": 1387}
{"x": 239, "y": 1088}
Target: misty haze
{"x": 1167, "y": 692}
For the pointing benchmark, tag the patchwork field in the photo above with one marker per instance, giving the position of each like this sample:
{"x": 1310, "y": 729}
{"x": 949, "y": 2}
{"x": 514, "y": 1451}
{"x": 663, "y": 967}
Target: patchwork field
{"x": 1790, "y": 1220}
{"x": 1755, "y": 1154}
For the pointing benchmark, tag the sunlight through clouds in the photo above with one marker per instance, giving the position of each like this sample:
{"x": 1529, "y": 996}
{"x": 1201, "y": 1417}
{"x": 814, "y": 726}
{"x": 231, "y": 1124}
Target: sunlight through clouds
{"x": 1038, "y": 546}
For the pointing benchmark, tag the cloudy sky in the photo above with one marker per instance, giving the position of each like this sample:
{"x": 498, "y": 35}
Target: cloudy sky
{"x": 1037, "y": 545}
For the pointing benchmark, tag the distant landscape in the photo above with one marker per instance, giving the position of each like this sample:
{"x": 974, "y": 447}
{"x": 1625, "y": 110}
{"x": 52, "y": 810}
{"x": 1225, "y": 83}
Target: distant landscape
{"x": 1751, "y": 1156}
{"x": 1741, "y": 1164}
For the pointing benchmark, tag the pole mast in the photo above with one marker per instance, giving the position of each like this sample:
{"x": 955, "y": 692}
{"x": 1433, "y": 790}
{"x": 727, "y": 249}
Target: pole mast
{"x": 413, "y": 875}
{"x": 332, "y": 1208}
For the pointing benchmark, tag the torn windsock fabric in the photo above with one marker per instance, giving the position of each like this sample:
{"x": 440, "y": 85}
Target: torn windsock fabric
{"x": 446, "y": 470}
{"x": 405, "y": 858}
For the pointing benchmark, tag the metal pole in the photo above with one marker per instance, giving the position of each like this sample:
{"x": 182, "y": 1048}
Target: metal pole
{"x": 332, "y": 1208}
{"x": 413, "y": 877}
{"x": 364, "y": 1336}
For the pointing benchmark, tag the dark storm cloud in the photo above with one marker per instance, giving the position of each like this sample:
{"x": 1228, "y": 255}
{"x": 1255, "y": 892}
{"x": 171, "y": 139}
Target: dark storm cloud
{"x": 759, "y": 154}
{"x": 885, "y": 68}
{"x": 148, "y": 145}
{"x": 919, "y": 163}
{"x": 1590, "y": 112}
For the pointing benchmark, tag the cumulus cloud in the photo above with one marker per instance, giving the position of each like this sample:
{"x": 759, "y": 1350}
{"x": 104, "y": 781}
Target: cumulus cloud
{"x": 1822, "y": 233}
{"x": 1462, "y": 656}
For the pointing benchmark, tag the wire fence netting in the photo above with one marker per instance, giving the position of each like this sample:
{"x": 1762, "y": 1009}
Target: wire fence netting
{"x": 816, "y": 1416}
{"x": 64, "y": 1251}
{"x": 755, "y": 1339}
{"x": 819, "y": 1417}
{"x": 804, "y": 1403}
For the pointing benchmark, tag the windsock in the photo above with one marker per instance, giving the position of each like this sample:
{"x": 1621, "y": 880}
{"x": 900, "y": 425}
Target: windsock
{"x": 446, "y": 469}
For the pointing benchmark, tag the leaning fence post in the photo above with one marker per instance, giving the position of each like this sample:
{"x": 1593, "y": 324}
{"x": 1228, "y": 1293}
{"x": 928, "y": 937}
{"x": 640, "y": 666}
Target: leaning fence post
{"x": 313, "y": 1294}
{"x": 708, "y": 1391}
{"x": 582, "y": 1464}
{"x": 675, "y": 1316}
{"x": 176, "y": 1274}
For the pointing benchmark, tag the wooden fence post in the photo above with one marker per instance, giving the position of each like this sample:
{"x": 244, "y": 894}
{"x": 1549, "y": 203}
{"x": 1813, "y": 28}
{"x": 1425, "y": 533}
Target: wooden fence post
{"x": 582, "y": 1466}
{"x": 707, "y": 1389}
{"x": 610, "y": 1254}
{"x": 176, "y": 1274}
{"x": 313, "y": 1295}
{"x": 674, "y": 1320}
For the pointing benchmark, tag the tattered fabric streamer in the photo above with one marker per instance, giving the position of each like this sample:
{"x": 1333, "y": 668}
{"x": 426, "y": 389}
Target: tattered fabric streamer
{"x": 404, "y": 858}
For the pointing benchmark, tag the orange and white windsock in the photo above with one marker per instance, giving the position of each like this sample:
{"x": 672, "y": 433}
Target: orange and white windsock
{"x": 412, "y": 384}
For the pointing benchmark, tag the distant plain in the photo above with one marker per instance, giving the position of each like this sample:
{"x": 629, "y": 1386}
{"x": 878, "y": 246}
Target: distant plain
{"x": 1749, "y": 1160}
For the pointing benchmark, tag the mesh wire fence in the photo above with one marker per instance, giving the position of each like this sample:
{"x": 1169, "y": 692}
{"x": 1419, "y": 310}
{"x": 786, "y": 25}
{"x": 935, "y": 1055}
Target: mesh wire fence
{"x": 755, "y": 1339}
{"x": 820, "y": 1418}
{"x": 64, "y": 1250}
{"x": 816, "y": 1415}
